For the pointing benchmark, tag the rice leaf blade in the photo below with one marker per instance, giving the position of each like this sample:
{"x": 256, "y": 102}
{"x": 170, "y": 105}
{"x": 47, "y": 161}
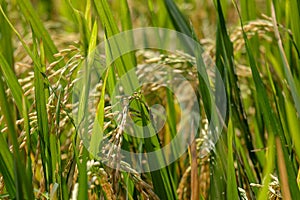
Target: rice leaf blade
{"x": 232, "y": 192}
{"x": 273, "y": 125}
{"x": 38, "y": 28}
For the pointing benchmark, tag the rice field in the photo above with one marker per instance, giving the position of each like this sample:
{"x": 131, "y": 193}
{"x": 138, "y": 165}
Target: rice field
{"x": 149, "y": 99}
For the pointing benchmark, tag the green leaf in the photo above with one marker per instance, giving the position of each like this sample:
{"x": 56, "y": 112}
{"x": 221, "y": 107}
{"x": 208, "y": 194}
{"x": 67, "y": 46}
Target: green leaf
{"x": 6, "y": 167}
{"x": 6, "y": 37}
{"x": 98, "y": 127}
{"x": 268, "y": 169}
{"x": 179, "y": 21}
{"x": 272, "y": 122}
{"x": 162, "y": 179}
{"x": 232, "y": 192}
{"x": 41, "y": 96}
{"x": 285, "y": 65}
{"x": 23, "y": 190}
{"x": 12, "y": 83}
{"x": 125, "y": 15}
{"x": 39, "y": 30}
{"x": 125, "y": 62}
{"x": 82, "y": 179}
{"x": 225, "y": 64}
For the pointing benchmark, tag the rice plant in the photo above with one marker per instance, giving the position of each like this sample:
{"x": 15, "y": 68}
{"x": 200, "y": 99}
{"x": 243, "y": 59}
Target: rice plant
{"x": 66, "y": 121}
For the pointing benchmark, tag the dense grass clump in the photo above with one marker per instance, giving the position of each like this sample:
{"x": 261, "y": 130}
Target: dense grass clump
{"x": 46, "y": 45}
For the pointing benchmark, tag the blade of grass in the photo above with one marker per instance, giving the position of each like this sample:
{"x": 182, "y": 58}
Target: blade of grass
{"x": 5, "y": 39}
{"x": 125, "y": 62}
{"x": 32, "y": 17}
{"x": 82, "y": 177}
{"x": 218, "y": 170}
{"x": 98, "y": 127}
{"x": 248, "y": 9}
{"x": 41, "y": 90}
{"x": 246, "y": 164}
{"x": 28, "y": 140}
{"x": 159, "y": 16}
{"x": 286, "y": 66}
{"x": 59, "y": 176}
{"x": 232, "y": 192}
{"x": 162, "y": 179}
{"x": 218, "y": 185}
{"x": 294, "y": 10}
{"x": 83, "y": 24}
{"x": 22, "y": 188}
{"x": 6, "y": 167}
{"x": 20, "y": 100}
{"x": 282, "y": 171}
{"x": 12, "y": 83}
{"x": 88, "y": 14}
{"x": 125, "y": 15}
{"x": 273, "y": 125}
{"x": 298, "y": 178}
{"x": 268, "y": 169}
{"x": 181, "y": 25}
{"x": 171, "y": 125}
{"x": 26, "y": 47}
{"x": 224, "y": 62}
{"x": 179, "y": 21}
{"x": 127, "y": 25}
{"x": 282, "y": 99}
{"x": 293, "y": 123}
{"x": 194, "y": 170}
